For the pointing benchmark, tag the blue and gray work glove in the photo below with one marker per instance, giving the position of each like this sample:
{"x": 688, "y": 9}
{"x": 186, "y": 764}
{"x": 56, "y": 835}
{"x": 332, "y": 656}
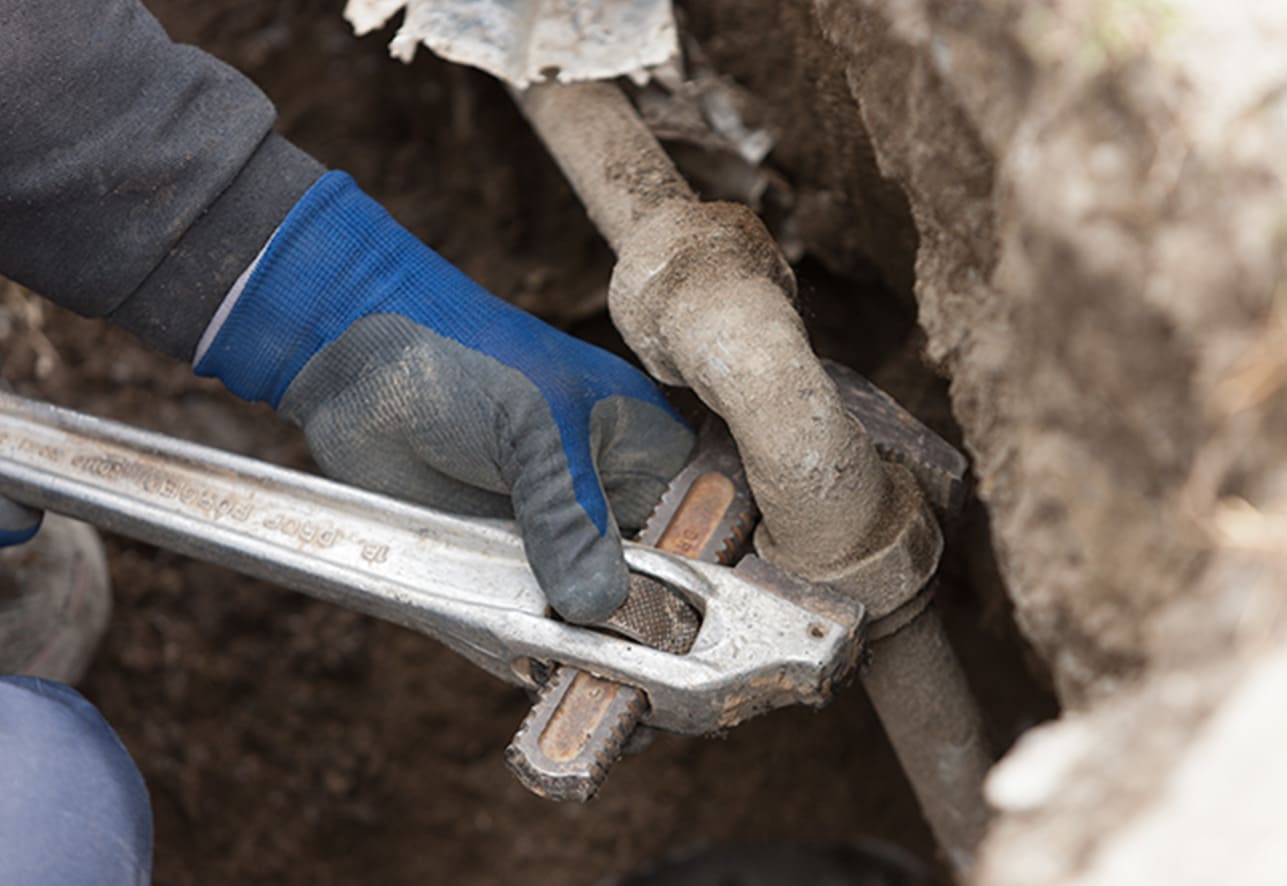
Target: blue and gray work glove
{"x": 410, "y": 379}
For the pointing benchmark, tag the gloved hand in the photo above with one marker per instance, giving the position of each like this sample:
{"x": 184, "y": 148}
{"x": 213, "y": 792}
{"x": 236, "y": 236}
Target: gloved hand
{"x": 410, "y": 379}
{"x": 18, "y": 523}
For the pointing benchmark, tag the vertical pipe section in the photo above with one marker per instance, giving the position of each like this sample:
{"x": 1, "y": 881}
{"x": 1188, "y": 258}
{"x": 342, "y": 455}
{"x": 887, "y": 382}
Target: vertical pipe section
{"x": 608, "y": 155}
{"x": 916, "y": 685}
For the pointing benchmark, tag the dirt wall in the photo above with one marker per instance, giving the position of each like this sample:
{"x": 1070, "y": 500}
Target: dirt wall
{"x": 1097, "y": 194}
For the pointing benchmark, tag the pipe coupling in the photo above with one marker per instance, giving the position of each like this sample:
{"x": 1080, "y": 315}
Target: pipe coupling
{"x": 703, "y": 295}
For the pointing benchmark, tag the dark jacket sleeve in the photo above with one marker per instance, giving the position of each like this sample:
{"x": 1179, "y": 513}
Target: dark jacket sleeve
{"x": 138, "y": 177}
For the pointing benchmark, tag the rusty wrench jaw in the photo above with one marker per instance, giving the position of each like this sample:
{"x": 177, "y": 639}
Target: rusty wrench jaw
{"x": 580, "y": 723}
{"x": 766, "y": 640}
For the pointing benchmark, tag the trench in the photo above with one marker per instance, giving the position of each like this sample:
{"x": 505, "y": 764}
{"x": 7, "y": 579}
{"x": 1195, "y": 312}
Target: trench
{"x": 285, "y": 741}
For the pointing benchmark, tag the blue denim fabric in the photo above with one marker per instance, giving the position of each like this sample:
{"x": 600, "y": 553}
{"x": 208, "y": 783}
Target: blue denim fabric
{"x": 73, "y": 807}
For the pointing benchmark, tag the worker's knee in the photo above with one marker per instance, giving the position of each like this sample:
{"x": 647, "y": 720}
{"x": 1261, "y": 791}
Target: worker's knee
{"x": 73, "y": 807}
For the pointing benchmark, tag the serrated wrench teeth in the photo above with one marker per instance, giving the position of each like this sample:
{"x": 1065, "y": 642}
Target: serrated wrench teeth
{"x": 573, "y": 734}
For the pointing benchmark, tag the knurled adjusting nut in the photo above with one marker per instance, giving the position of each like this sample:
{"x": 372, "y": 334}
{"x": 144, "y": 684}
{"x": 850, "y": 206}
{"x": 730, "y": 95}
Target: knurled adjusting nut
{"x": 685, "y": 251}
{"x": 892, "y": 571}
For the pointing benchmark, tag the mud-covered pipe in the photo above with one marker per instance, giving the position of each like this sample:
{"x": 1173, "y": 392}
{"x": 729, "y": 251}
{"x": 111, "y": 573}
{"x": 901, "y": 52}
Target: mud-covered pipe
{"x": 611, "y": 158}
{"x": 703, "y": 296}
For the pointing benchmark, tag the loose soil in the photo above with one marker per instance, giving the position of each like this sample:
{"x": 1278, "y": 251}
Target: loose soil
{"x": 286, "y": 741}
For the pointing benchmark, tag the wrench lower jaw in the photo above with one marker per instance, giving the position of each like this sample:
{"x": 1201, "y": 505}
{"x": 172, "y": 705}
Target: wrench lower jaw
{"x": 573, "y": 734}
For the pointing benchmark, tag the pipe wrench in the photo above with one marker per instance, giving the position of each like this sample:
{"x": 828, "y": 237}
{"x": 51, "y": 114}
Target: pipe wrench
{"x": 581, "y": 723}
{"x": 699, "y": 646}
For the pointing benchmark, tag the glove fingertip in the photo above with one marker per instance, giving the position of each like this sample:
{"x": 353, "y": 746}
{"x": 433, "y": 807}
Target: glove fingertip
{"x": 593, "y": 588}
{"x": 10, "y": 537}
{"x": 18, "y": 523}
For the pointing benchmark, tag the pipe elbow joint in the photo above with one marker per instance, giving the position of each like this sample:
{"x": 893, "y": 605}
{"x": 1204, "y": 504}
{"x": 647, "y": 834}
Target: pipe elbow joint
{"x": 692, "y": 267}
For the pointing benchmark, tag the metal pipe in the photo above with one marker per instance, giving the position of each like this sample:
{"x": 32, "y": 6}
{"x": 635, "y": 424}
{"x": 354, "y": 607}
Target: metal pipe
{"x": 608, "y": 154}
{"x": 920, "y": 694}
{"x": 703, "y": 296}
